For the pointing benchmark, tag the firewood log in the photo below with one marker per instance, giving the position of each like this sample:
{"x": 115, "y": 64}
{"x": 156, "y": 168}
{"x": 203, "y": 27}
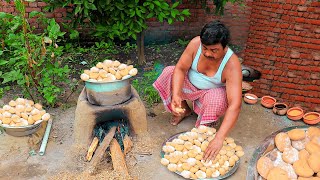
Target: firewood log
{"x": 92, "y": 148}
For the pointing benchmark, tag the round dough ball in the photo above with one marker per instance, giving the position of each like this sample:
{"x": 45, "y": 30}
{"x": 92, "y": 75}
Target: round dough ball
{"x": 99, "y": 65}
{"x": 179, "y": 147}
{"x": 312, "y": 147}
{"x": 200, "y": 174}
{"x": 264, "y": 165}
{"x": 304, "y": 154}
{"x": 130, "y": 67}
{"x": 38, "y": 106}
{"x": 277, "y": 173}
{"x": 222, "y": 152}
{"x": 86, "y": 71}
{"x": 313, "y": 131}
{"x": 282, "y": 141}
{"x": 172, "y": 167}
{"x": 288, "y": 168}
{"x": 290, "y": 155}
{"x": 6, "y": 107}
{"x": 222, "y": 171}
{"x": 238, "y": 148}
{"x": 316, "y": 140}
{"x": 229, "y": 140}
{"x": 202, "y": 129}
{"x": 133, "y": 71}
{"x": 116, "y": 63}
{"x": 179, "y": 168}
{"x": 299, "y": 145}
{"x": 302, "y": 168}
{"x": 46, "y": 117}
{"x": 164, "y": 161}
{"x": 108, "y": 62}
{"x": 183, "y": 137}
{"x": 231, "y": 153}
{"x": 186, "y": 166}
{"x": 296, "y": 134}
{"x": 235, "y": 157}
{"x": 36, "y": 117}
{"x": 94, "y": 70}
{"x": 185, "y": 174}
{"x": 20, "y": 101}
{"x": 314, "y": 162}
{"x": 118, "y": 75}
{"x": 232, "y": 162}
{"x": 239, "y": 153}
{"x": 194, "y": 169}
{"x": 112, "y": 71}
{"x": 12, "y": 103}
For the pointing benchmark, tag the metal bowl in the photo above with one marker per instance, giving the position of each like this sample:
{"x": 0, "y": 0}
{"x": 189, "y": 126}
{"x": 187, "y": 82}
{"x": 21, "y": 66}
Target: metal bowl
{"x": 229, "y": 173}
{"x": 19, "y": 131}
{"x": 108, "y": 93}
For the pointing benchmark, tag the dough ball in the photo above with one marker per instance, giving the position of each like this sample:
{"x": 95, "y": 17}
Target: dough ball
{"x": 277, "y": 173}
{"x": 229, "y": 140}
{"x": 282, "y": 141}
{"x": 288, "y": 168}
{"x": 302, "y": 168}
{"x": 172, "y": 167}
{"x": 164, "y": 161}
{"x": 313, "y": 131}
{"x": 264, "y": 165}
{"x": 314, "y": 162}
{"x": 239, "y": 153}
{"x": 296, "y": 134}
{"x": 316, "y": 140}
{"x": 312, "y": 147}
{"x": 303, "y": 154}
{"x": 299, "y": 145}
{"x": 290, "y": 155}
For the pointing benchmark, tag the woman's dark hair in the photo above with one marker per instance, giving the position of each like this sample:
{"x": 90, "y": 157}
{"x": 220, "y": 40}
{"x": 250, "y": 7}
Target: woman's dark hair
{"x": 215, "y": 32}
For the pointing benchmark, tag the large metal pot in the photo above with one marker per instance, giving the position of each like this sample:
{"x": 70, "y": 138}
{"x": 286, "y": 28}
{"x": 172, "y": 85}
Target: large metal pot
{"x": 108, "y": 93}
{"x": 21, "y": 130}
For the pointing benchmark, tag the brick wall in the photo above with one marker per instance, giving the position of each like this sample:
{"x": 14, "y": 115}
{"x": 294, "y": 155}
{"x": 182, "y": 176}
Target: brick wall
{"x": 284, "y": 44}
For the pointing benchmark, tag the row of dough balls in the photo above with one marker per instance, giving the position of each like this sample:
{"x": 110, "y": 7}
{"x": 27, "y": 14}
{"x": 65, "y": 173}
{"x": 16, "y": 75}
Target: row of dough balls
{"x": 109, "y": 71}
{"x": 184, "y": 154}
{"x": 298, "y": 156}
{"x": 22, "y": 112}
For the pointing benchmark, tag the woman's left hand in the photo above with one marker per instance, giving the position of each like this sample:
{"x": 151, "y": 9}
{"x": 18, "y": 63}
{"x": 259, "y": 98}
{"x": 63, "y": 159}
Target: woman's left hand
{"x": 213, "y": 148}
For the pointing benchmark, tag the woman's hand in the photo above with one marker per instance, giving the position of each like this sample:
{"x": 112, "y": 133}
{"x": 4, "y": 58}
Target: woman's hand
{"x": 213, "y": 149}
{"x": 176, "y": 105}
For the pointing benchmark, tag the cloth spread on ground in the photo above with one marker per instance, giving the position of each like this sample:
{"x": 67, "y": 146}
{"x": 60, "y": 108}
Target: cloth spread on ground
{"x": 209, "y": 104}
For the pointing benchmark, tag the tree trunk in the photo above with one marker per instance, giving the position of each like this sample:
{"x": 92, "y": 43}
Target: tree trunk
{"x": 140, "y": 44}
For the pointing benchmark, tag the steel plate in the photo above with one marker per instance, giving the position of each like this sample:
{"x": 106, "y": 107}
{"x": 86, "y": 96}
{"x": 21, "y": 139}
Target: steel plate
{"x": 265, "y": 148}
{"x": 229, "y": 173}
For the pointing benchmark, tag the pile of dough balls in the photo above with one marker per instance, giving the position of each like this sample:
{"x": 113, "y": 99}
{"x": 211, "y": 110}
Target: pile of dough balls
{"x": 22, "y": 112}
{"x": 109, "y": 71}
{"x": 297, "y": 156}
{"x": 184, "y": 154}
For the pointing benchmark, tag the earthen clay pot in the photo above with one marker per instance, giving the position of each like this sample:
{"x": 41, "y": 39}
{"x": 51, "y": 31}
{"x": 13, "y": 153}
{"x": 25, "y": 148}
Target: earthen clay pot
{"x": 311, "y": 118}
{"x": 295, "y": 113}
{"x": 268, "y": 101}
{"x": 250, "y": 98}
{"x": 280, "y": 108}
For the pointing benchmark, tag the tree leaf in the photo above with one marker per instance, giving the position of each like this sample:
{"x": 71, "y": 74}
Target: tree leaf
{"x": 175, "y": 4}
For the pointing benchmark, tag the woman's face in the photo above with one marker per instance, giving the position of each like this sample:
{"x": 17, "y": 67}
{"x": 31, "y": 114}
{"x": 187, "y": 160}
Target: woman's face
{"x": 213, "y": 52}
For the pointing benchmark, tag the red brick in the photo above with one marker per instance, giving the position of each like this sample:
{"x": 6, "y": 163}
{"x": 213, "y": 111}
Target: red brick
{"x": 300, "y": 20}
{"x": 41, "y": 4}
{"x": 277, "y": 72}
{"x": 33, "y": 4}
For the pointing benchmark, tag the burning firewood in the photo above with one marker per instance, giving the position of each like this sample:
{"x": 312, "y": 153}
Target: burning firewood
{"x": 101, "y": 150}
{"x": 92, "y": 148}
{"x": 118, "y": 159}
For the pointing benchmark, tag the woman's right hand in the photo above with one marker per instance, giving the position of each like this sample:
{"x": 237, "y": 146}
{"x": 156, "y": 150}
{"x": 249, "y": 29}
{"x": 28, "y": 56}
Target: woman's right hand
{"x": 177, "y": 110}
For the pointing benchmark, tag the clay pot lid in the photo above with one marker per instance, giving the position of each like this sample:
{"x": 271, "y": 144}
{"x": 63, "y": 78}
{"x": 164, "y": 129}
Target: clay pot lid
{"x": 294, "y": 109}
{"x": 264, "y": 98}
{"x": 317, "y": 116}
{"x": 250, "y": 96}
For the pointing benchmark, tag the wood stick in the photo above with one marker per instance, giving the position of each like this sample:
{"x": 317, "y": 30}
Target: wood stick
{"x": 118, "y": 160}
{"x": 92, "y": 148}
{"x": 101, "y": 150}
{"x": 127, "y": 143}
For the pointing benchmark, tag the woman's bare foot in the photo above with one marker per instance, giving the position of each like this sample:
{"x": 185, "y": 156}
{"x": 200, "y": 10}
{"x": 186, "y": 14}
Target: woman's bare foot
{"x": 175, "y": 120}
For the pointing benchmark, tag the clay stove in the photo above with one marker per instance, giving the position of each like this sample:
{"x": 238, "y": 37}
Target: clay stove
{"x": 99, "y": 103}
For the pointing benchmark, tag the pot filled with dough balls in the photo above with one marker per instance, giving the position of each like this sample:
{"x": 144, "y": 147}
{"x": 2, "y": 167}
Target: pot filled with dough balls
{"x": 108, "y": 79}
{"x": 22, "y": 117}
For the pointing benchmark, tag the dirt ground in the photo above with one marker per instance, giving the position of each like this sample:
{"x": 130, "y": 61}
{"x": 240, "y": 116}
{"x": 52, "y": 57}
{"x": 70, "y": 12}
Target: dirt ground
{"x": 20, "y": 160}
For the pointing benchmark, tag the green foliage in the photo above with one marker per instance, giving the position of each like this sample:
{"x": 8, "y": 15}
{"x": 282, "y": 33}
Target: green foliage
{"x": 145, "y": 88}
{"x": 219, "y": 4}
{"x": 183, "y": 42}
{"x": 32, "y": 60}
{"x": 122, "y": 19}
{"x": 128, "y": 47}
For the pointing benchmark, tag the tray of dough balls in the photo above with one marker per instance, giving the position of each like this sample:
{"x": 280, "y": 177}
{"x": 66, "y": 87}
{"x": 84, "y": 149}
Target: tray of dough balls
{"x": 291, "y": 153}
{"x": 22, "y": 117}
{"x": 183, "y": 153}
{"x": 109, "y": 71}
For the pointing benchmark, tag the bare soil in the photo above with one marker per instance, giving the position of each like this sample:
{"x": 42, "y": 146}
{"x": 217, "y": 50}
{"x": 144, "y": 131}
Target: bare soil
{"x": 19, "y": 158}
